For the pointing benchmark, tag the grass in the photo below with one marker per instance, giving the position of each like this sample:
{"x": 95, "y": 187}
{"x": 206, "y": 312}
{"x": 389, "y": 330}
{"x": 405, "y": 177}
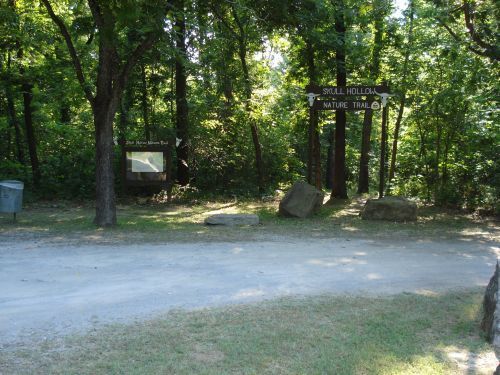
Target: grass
{"x": 178, "y": 222}
{"x": 404, "y": 334}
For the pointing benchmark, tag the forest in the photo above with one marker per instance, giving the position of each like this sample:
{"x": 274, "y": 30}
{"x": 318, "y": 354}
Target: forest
{"x": 224, "y": 82}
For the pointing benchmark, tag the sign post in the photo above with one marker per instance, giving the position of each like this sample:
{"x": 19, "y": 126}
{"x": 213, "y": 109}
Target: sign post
{"x": 383, "y": 145}
{"x": 343, "y": 101}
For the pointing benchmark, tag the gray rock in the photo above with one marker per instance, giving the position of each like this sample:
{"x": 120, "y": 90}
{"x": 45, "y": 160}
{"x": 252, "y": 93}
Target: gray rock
{"x": 491, "y": 311}
{"x": 302, "y": 200}
{"x": 232, "y": 219}
{"x": 390, "y": 208}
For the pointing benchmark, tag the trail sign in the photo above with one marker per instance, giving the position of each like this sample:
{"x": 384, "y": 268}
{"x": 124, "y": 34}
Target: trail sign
{"x": 332, "y": 91}
{"x": 346, "y": 105}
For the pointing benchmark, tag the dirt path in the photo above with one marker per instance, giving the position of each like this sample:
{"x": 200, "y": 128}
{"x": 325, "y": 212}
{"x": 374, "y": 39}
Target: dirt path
{"x": 49, "y": 290}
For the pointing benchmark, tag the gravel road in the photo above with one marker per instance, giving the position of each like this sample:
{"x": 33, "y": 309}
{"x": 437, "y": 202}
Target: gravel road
{"x": 48, "y": 290}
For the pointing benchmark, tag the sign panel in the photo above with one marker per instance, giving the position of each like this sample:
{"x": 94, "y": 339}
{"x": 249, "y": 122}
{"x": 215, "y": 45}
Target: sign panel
{"x": 146, "y": 161}
{"x": 346, "y": 90}
{"x": 346, "y": 105}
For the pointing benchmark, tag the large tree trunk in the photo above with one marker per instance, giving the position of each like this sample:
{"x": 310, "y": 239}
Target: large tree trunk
{"x": 182, "y": 125}
{"x": 339, "y": 188}
{"x": 104, "y": 110}
{"x": 105, "y": 179}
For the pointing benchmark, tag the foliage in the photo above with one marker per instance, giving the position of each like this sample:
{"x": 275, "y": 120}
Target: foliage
{"x": 450, "y": 135}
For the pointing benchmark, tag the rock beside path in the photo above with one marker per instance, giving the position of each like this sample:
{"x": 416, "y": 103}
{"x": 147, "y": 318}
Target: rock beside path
{"x": 232, "y": 219}
{"x": 302, "y": 200}
{"x": 390, "y": 208}
{"x": 491, "y": 314}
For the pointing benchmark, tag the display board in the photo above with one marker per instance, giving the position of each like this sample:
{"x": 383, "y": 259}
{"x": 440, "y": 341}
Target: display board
{"x": 146, "y": 163}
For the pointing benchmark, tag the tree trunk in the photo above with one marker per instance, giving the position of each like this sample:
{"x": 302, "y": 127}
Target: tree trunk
{"x": 248, "y": 107}
{"x": 395, "y": 138}
{"x": 144, "y": 103}
{"x": 313, "y": 144}
{"x": 30, "y": 133}
{"x": 397, "y": 126}
{"x": 330, "y": 158}
{"x": 105, "y": 179}
{"x": 364, "y": 161}
{"x": 378, "y": 45}
{"x": 181, "y": 119}
{"x": 383, "y": 144}
{"x": 339, "y": 189}
{"x": 12, "y": 115}
{"x": 318, "y": 183}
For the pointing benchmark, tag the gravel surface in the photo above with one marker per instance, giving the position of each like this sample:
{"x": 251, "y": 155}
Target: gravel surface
{"x": 52, "y": 290}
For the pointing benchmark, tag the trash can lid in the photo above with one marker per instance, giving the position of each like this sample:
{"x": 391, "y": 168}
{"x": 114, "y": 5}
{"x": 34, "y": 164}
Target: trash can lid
{"x": 11, "y": 184}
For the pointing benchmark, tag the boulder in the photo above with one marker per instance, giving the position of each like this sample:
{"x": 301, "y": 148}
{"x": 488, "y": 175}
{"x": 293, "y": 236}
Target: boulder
{"x": 302, "y": 200}
{"x": 390, "y": 208}
{"x": 489, "y": 324}
{"x": 491, "y": 314}
{"x": 232, "y": 219}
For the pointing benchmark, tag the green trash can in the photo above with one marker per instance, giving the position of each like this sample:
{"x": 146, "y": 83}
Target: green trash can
{"x": 11, "y": 196}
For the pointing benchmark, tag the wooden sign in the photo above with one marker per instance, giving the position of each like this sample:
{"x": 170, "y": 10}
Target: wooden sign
{"x": 146, "y": 163}
{"x": 346, "y": 105}
{"x": 346, "y": 90}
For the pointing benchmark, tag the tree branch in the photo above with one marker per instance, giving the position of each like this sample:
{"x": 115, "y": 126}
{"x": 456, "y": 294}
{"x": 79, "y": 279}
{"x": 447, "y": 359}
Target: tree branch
{"x": 97, "y": 14}
{"x": 224, "y": 22}
{"x": 72, "y": 51}
{"x": 105, "y": 23}
{"x": 123, "y": 75}
{"x": 468, "y": 16}
{"x": 488, "y": 53}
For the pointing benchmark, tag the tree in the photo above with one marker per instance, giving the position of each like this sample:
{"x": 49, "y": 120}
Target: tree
{"x": 402, "y": 102}
{"x": 339, "y": 188}
{"x": 239, "y": 26}
{"x": 112, "y": 73}
{"x": 182, "y": 124}
{"x": 379, "y": 12}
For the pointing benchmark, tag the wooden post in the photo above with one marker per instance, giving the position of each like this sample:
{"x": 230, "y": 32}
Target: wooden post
{"x": 383, "y": 141}
{"x": 310, "y": 146}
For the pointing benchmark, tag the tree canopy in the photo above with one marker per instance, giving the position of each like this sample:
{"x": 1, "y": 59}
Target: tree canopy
{"x": 225, "y": 82}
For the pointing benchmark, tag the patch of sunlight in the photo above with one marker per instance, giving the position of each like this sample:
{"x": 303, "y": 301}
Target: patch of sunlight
{"x": 468, "y": 362}
{"x": 335, "y": 263}
{"x": 495, "y": 249}
{"x": 350, "y": 229}
{"x": 237, "y": 250}
{"x": 471, "y": 311}
{"x": 423, "y": 365}
{"x": 374, "y": 276}
{"x": 229, "y": 210}
{"x": 427, "y": 293}
{"x": 473, "y": 232}
{"x": 93, "y": 237}
{"x": 248, "y": 293}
